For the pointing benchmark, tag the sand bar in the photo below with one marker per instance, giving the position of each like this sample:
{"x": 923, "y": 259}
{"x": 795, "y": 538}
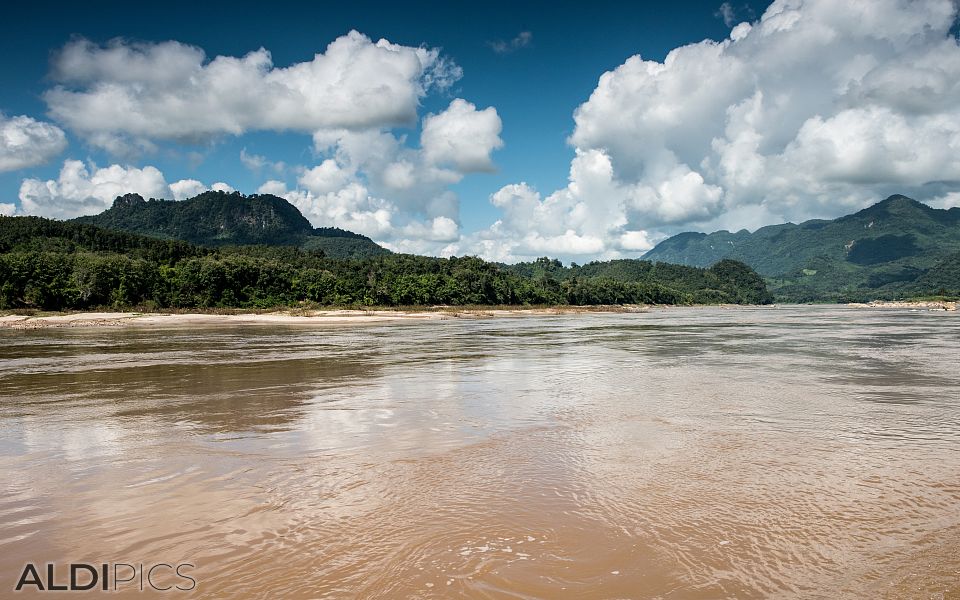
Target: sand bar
{"x": 313, "y": 317}
{"x": 911, "y": 304}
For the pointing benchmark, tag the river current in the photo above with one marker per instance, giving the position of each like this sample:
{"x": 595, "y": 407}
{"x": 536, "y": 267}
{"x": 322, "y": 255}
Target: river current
{"x": 788, "y": 452}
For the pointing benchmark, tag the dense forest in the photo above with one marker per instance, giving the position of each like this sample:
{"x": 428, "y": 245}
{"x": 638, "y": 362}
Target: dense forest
{"x": 55, "y": 265}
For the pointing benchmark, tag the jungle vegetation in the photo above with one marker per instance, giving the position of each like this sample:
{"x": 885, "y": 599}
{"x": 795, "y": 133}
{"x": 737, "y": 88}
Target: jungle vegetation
{"x": 54, "y": 265}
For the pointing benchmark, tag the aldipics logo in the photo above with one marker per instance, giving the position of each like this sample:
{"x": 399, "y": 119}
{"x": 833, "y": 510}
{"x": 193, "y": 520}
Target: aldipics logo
{"x": 107, "y": 577}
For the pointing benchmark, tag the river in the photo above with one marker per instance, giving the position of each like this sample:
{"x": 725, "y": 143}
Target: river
{"x": 789, "y": 452}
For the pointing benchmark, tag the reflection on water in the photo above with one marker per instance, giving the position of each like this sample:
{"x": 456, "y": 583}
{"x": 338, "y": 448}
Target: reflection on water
{"x": 696, "y": 453}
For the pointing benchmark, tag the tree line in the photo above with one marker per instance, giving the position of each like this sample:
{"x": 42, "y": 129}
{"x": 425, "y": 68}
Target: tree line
{"x": 53, "y": 265}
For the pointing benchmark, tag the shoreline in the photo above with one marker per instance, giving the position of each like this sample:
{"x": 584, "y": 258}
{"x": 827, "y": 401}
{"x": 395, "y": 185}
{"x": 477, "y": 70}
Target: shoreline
{"x": 291, "y": 317}
{"x": 909, "y": 304}
{"x": 96, "y": 319}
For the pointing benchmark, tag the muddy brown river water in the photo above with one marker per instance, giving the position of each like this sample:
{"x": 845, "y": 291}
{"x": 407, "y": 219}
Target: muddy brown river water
{"x": 785, "y": 452}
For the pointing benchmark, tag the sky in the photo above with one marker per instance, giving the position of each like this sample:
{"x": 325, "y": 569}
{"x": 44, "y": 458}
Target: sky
{"x": 505, "y": 130}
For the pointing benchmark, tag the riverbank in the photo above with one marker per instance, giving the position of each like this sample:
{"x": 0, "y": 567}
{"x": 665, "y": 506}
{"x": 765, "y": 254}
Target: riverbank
{"x": 293, "y": 316}
{"x": 288, "y": 317}
{"x": 911, "y": 304}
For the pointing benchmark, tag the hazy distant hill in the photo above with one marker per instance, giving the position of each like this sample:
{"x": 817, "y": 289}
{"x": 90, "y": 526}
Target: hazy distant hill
{"x": 896, "y": 247}
{"x": 220, "y": 219}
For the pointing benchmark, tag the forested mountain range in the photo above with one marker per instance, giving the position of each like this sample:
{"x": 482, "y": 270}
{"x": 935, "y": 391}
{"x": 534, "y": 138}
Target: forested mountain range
{"x": 229, "y": 250}
{"x": 896, "y": 248}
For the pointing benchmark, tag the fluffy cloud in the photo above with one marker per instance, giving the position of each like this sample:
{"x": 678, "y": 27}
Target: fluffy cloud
{"x": 25, "y": 142}
{"x": 816, "y": 109}
{"x": 129, "y": 93}
{"x": 462, "y": 136}
{"x": 83, "y": 189}
{"x": 350, "y": 207}
{"x": 187, "y": 188}
{"x": 587, "y": 219}
{"x": 374, "y": 183}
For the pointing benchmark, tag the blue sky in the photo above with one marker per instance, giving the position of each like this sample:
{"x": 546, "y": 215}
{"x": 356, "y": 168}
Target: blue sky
{"x": 661, "y": 149}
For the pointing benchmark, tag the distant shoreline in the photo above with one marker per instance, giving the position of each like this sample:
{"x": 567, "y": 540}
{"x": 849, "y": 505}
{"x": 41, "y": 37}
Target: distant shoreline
{"x": 912, "y": 304}
{"x": 44, "y": 320}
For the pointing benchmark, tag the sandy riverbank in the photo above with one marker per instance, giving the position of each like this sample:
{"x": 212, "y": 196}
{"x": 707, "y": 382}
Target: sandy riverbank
{"x": 913, "y": 304}
{"x": 313, "y": 317}
{"x": 359, "y": 316}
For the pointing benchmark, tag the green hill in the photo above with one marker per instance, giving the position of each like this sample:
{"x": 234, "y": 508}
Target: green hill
{"x": 222, "y": 219}
{"x": 943, "y": 279}
{"x": 891, "y": 249}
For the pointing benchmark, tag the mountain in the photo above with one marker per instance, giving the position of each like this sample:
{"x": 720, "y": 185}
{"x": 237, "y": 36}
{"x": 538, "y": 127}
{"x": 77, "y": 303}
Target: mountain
{"x": 894, "y": 248}
{"x": 222, "y": 219}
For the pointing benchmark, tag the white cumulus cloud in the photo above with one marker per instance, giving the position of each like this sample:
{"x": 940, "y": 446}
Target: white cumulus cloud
{"x": 26, "y": 142}
{"x": 187, "y": 188}
{"x": 129, "y": 92}
{"x": 587, "y": 219}
{"x": 462, "y": 136}
{"x": 373, "y": 183}
{"x": 350, "y": 207}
